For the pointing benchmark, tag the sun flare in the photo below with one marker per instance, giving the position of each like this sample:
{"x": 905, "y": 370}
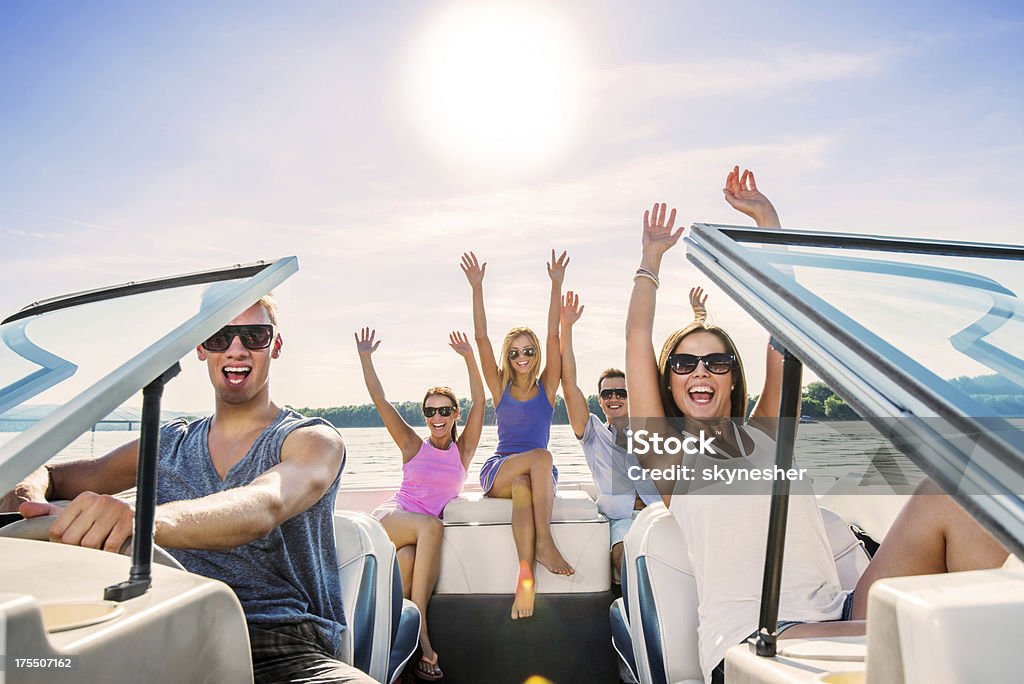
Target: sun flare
{"x": 496, "y": 84}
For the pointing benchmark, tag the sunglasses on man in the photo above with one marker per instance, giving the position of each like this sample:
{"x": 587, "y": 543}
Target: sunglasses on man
{"x": 253, "y": 337}
{"x": 618, "y": 393}
{"x": 718, "y": 363}
{"x": 513, "y": 354}
{"x": 445, "y": 411}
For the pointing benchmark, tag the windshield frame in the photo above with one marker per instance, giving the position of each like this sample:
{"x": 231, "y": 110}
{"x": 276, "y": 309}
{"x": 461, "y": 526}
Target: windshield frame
{"x": 877, "y": 379}
{"x": 52, "y": 433}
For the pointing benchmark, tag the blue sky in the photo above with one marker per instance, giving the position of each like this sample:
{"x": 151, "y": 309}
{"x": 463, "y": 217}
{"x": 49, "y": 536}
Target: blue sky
{"x": 149, "y": 140}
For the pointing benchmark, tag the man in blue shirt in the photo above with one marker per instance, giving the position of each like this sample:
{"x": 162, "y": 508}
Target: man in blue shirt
{"x": 246, "y": 496}
{"x": 604, "y": 444}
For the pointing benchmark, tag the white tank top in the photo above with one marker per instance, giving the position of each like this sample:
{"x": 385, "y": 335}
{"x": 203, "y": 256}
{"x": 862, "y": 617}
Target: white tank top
{"x": 726, "y": 536}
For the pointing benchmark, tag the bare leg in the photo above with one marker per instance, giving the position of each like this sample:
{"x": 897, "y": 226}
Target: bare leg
{"x": 406, "y": 558}
{"x": 537, "y": 464}
{"x": 424, "y": 534}
{"x": 931, "y": 535}
{"x": 523, "y": 533}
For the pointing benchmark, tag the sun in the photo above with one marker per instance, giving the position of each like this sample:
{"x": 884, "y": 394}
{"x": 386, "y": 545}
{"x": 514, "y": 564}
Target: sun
{"x": 496, "y": 85}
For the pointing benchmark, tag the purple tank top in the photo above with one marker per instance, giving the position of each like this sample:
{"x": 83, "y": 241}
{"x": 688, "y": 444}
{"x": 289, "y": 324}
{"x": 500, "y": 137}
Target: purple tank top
{"x": 431, "y": 479}
{"x": 523, "y": 425}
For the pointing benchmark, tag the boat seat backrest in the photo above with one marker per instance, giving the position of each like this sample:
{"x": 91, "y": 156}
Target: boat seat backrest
{"x": 379, "y": 621}
{"x": 849, "y": 553}
{"x": 659, "y": 608}
{"x": 478, "y": 552}
{"x": 660, "y": 599}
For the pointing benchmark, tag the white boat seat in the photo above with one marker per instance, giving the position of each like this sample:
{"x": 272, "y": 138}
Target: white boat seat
{"x": 849, "y": 553}
{"x": 478, "y": 554}
{"x": 659, "y": 600}
{"x": 474, "y": 507}
{"x": 659, "y": 608}
{"x": 382, "y": 628}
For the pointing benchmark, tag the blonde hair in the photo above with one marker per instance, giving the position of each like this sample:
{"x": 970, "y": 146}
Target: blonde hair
{"x": 505, "y": 372}
{"x": 215, "y": 290}
{"x": 445, "y": 392}
{"x": 738, "y": 396}
{"x": 269, "y": 304}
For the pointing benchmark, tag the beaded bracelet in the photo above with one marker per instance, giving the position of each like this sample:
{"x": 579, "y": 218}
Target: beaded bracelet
{"x": 644, "y": 273}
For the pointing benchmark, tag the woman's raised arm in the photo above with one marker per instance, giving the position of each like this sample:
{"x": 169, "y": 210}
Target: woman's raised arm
{"x": 742, "y": 195}
{"x": 405, "y": 437}
{"x": 475, "y": 271}
{"x": 470, "y": 437}
{"x": 641, "y": 361}
{"x": 552, "y": 373}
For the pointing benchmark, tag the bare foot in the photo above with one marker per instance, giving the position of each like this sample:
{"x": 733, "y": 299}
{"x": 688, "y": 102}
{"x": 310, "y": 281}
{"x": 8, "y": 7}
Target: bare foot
{"x": 522, "y": 607}
{"x": 549, "y": 556}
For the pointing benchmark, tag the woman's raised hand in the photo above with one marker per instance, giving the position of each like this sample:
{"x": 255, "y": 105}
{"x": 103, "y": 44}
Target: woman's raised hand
{"x": 364, "y": 342}
{"x": 658, "y": 234}
{"x": 556, "y": 267}
{"x": 742, "y": 195}
{"x": 697, "y": 300}
{"x": 473, "y": 269}
{"x": 571, "y": 308}
{"x": 460, "y": 343}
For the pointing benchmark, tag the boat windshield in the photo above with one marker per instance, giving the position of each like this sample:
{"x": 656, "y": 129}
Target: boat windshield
{"x": 959, "y": 317}
{"x": 924, "y": 339}
{"x": 66, "y": 363}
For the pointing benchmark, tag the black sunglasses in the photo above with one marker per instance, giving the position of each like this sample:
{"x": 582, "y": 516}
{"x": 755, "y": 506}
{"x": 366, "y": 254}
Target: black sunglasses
{"x": 718, "y": 363}
{"x": 252, "y": 336}
{"x": 513, "y": 354}
{"x": 619, "y": 393}
{"x": 445, "y": 411}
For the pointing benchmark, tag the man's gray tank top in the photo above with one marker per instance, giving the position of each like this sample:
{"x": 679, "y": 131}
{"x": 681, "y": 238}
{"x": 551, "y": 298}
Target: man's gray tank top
{"x": 288, "y": 576}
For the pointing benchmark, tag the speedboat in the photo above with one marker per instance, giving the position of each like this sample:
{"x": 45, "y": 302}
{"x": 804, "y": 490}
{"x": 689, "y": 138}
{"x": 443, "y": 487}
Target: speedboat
{"x": 115, "y": 618}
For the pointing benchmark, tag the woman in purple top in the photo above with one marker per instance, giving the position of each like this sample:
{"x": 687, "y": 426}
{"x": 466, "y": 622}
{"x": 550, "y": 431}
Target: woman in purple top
{"x": 433, "y": 472}
{"x": 522, "y": 469}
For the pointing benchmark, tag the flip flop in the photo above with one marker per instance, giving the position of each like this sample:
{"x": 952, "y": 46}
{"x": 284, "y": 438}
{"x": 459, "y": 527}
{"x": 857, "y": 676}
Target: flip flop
{"x": 434, "y": 672}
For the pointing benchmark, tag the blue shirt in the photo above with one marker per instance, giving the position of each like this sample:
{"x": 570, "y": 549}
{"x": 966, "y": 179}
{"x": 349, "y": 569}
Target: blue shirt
{"x": 286, "y": 577}
{"x": 523, "y": 425}
{"x": 609, "y": 464}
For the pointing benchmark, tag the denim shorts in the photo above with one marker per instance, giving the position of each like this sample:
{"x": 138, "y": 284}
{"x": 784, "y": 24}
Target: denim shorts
{"x": 783, "y": 625}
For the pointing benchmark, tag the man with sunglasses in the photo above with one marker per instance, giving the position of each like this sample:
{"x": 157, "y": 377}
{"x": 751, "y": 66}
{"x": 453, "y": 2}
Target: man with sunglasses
{"x": 245, "y": 496}
{"x": 604, "y": 444}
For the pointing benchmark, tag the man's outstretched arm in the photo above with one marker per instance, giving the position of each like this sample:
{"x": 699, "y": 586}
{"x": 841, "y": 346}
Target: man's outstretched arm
{"x": 310, "y": 461}
{"x": 109, "y": 474}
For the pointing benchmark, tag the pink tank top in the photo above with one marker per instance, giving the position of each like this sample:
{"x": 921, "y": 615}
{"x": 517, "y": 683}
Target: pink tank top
{"x": 431, "y": 479}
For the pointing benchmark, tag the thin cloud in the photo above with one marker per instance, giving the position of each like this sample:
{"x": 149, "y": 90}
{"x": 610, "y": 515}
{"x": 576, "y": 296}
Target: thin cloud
{"x": 61, "y": 219}
{"x": 774, "y": 72}
{"x": 35, "y": 234}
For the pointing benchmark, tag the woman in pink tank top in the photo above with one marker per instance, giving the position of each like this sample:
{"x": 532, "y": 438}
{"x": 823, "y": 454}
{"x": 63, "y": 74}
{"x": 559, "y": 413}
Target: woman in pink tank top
{"x": 433, "y": 472}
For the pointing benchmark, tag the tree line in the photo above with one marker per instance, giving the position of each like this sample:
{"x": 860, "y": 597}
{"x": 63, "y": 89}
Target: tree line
{"x": 365, "y": 415}
{"x": 998, "y": 396}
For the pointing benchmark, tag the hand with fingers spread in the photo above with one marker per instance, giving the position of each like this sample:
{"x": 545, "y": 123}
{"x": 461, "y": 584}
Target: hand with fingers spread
{"x": 659, "y": 236}
{"x": 571, "y": 309}
{"x": 697, "y": 300}
{"x": 473, "y": 269}
{"x": 556, "y": 267}
{"x": 365, "y": 344}
{"x": 742, "y": 195}
{"x": 458, "y": 341}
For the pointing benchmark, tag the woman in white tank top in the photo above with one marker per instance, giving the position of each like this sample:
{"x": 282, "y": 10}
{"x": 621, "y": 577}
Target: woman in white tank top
{"x": 697, "y": 384}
